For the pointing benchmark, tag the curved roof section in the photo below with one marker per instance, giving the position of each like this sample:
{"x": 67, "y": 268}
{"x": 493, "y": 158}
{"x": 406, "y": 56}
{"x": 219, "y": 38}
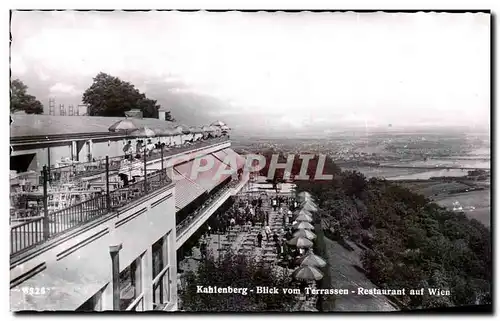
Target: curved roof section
{"x": 46, "y": 125}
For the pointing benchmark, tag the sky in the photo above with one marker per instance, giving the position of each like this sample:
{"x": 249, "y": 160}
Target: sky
{"x": 268, "y": 71}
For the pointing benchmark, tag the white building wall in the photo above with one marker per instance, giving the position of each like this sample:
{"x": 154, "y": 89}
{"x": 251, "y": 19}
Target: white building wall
{"x": 86, "y": 268}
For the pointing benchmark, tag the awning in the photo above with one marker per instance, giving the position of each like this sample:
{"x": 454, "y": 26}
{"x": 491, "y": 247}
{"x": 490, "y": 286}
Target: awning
{"x": 206, "y": 179}
{"x": 186, "y": 191}
{"x": 221, "y": 155}
{"x": 240, "y": 160}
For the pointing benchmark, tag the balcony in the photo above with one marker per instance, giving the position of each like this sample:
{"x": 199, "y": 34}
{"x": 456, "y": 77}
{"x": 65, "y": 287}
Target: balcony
{"x": 41, "y": 229}
{"x": 76, "y": 170}
{"x": 199, "y": 216}
{"x": 81, "y": 182}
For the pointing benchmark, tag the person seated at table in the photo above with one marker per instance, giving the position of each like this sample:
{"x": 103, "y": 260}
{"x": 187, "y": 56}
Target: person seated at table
{"x": 139, "y": 149}
{"x": 124, "y": 178}
{"x": 149, "y": 147}
{"x": 127, "y": 150}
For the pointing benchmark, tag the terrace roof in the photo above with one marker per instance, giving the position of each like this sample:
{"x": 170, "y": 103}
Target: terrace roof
{"x": 47, "y": 125}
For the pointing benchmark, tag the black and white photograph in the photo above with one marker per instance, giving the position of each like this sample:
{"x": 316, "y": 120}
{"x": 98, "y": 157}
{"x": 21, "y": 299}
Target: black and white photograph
{"x": 250, "y": 161}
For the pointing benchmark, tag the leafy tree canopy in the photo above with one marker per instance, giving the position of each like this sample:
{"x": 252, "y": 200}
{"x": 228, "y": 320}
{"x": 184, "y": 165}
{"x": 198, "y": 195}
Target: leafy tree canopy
{"x": 409, "y": 241}
{"x": 111, "y": 96}
{"x": 21, "y": 100}
{"x": 235, "y": 271}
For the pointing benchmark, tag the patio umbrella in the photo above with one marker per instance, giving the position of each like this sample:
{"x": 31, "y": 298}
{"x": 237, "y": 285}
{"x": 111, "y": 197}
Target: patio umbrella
{"x": 300, "y": 242}
{"x": 303, "y": 218}
{"x": 177, "y": 131}
{"x": 168, "y": 132}
{"x": 143, "y": 132}
{"x": 216, "y": 130}
{"x": 306, "y": 308}
{"x": 305, "y": 233}
{"x": 303, "y": 225}
{"x": 123, "y": 126}
{"x": 207, "y": 129}
{"x": 183, "y": 129}
{"x": 310, "y": 201}
{"x": 303, "y": 196}
{"x": 218, "y": 123}
{"x": 195, "y": 130}
{"x": 311, "y": 259}
{"x": 307, "y": 273}
{"x": 309, "y": 207}
{"x": 304, "y": 212}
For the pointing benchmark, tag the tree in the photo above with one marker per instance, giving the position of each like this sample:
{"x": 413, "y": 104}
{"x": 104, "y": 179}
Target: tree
{"x": 20, "y": 100}
{"x": 237, "y": 271}
{"x": 408, "y": 241}
{"x": 111, "y": 96}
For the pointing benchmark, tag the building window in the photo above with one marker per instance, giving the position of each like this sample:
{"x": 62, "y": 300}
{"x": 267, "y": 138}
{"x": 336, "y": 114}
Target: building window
{"x": 161, "y": 273}
{"x": 160, "y": 255}
{"x": 131, "y": 285}
{"x": 161, "y": 290}
{"x": 158, "y": 260}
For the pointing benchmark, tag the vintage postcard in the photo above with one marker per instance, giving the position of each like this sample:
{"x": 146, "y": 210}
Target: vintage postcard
{"x": 249, "y": 161}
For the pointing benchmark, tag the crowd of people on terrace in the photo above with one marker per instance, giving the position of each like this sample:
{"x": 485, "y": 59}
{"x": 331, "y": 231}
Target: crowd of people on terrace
{"x": 250, "y": 213}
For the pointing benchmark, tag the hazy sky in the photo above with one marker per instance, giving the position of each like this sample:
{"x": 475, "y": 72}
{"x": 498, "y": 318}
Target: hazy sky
{"x": 280, "y": 70}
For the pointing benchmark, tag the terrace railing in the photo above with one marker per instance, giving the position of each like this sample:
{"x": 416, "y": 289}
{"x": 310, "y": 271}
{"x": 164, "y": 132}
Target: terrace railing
{"x": 197, "y": 213}
{"x": 80, "y": 170}
{"x": 38, "y": 230}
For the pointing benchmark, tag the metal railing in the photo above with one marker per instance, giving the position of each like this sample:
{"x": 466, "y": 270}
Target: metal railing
{"x": 80, "y": 170}
{"x": 41, "y": 229}
{"x": 184, "y": 224}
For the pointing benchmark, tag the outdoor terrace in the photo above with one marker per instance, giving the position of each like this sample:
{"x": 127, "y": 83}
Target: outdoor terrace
{"x": 41, "y": 229}
{"x": 79, "y": 182}
{"x": 78, "y": 170}
{"x": 62, "y": 205}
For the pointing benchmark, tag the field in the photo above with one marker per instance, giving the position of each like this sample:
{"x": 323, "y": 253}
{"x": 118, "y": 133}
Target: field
{"x": 405, "y": 173}
{"x": 467, "y": 163}
{"x": 434, "y": 188}
{"x": 481, "y": 200}
{"x": 383, "y": 171}
{"x": 440, "y": 193}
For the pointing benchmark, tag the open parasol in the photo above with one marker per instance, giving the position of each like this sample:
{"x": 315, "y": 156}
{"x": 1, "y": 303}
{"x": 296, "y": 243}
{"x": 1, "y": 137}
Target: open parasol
{"x": 303, "y": 225}
{"x": 207, "y": 129}
{"x": 123, "y": 126}
{"x": 168, "y": 132}
{"x": 309, "y": 207}
{"x": 303, "y": 196}
{"x": 300, "y": 242}
{"x": 312, "y": 259}
{"x": 143, "y": 132}
{"x": 304, "y": 212}
{"x": 218, "y": 123}
{"x": 195, "y": 130}
{"x": 306, "y": 308}
{"x": 305, "y": 233}
{"x": 215, "y": 130}
{"x": 182, "y": 129}
{"x": 307, "y": 273}
{"x": 303, "y": 218}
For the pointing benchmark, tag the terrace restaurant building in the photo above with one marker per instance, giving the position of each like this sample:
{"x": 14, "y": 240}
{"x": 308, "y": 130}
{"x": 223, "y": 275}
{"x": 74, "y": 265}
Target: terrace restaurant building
{"x": 91, "y": 230}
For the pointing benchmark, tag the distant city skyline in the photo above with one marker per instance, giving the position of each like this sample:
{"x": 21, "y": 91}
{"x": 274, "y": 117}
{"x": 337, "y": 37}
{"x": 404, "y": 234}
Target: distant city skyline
{"x": 270, "y": 72}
